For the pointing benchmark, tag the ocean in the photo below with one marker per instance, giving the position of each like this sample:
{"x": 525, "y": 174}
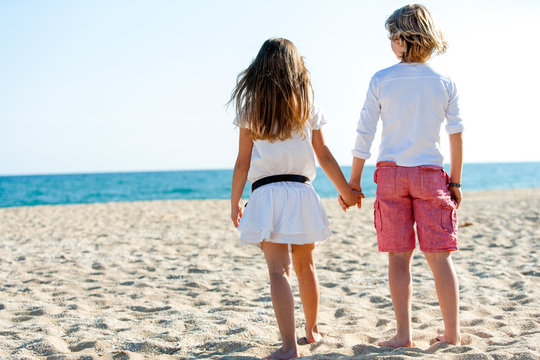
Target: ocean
{"x": 215, "y": 184}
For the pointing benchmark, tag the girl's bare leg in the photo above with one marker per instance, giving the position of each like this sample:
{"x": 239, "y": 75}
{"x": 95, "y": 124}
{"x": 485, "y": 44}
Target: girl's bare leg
{"x": 279, "y": 268}
{"x": 304, "y": 267}
{"x": 446, "y": 284}
{"x": 399, "y": 279}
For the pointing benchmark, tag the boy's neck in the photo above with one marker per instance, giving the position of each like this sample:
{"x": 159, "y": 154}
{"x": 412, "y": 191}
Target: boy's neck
{"x": 414, "y": 63}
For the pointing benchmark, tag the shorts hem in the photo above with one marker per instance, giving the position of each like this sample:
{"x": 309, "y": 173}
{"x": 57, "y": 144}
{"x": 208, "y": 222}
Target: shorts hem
{"x": 454, "y": 248}
{"x": 395, "y": 250}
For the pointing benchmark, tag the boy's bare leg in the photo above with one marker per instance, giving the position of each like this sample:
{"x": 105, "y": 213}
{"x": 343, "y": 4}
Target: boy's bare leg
{"x": 446, "y": 284}
{"x": 279, "y": 268}
{"x": 399, "y": 279}
{"x": 304, "y": 266}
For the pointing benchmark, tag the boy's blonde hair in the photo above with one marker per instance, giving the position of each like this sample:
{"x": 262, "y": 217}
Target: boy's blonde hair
{"x": 413, "y": 27}
{"x": 273, "y": 95}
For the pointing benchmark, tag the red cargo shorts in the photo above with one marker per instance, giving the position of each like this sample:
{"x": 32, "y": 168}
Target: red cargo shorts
{"x": 406, "y": 195}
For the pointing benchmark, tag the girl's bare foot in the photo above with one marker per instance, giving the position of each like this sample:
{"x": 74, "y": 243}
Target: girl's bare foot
{"x": 395, "y": 342}
{"x": 284, "y": 355}
{"x": 443, "y": 339}
{"x": 313, "y": 335}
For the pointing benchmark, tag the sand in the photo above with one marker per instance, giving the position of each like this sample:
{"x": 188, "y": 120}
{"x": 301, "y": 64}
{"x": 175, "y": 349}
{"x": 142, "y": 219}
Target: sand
{"x": 166, "y": 280}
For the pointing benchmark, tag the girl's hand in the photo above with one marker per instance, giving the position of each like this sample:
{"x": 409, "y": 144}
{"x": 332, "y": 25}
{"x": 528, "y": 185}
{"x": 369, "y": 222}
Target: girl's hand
{"x": 342, "y": 203}
{"x": 236, "y": 214}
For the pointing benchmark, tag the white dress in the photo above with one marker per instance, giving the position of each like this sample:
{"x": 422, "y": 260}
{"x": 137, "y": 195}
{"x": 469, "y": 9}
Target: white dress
{"x": 285, "y": 212}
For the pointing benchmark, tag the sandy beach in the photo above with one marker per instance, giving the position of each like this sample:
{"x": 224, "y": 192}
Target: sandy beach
{"x": 166, "y": 280}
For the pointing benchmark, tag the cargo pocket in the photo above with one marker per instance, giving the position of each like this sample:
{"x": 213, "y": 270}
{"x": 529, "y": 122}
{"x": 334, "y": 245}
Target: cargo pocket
{"x": 377, "y": 216}
{"x": 449, "y": 217}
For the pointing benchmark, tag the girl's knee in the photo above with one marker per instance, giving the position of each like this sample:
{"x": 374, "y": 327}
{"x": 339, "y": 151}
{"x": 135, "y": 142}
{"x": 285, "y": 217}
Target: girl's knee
{"x": 303, "y": 259}
{"x": 278, "y": 271}
{"x": 303, "y": 267}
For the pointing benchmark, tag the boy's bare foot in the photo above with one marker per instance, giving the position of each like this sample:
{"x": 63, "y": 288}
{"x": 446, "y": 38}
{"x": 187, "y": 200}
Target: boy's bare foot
{"x": 313, "y": 336}
{"x": 282, "y": 355}
{"x": 397, "y": 343}
{"x": 443, "y": 339}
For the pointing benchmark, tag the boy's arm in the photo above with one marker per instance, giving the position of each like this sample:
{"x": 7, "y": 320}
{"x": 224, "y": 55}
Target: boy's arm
{"x": 367, "y": 124}
{"x": 365, "y": 133}
{"x": 332, "y": 169}
{"x": 356, "y": 175}
{"x": 241, "y": 169}
{"x": 456, "y": 165}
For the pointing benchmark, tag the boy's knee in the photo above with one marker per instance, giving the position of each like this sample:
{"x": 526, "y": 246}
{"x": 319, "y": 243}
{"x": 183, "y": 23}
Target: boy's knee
{"x": 437, "y": 256}
{"x": 400, "y": 258}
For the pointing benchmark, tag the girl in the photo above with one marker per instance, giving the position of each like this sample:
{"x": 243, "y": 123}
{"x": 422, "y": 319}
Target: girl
{"x": 280, "y": 131}
{"x": 413, "y": 99}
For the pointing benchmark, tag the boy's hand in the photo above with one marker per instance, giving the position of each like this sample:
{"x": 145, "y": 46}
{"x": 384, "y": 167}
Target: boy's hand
{"x": 236, "y": 214}
{"x": 358, "y": 189}
{"x": 455, "y": 193}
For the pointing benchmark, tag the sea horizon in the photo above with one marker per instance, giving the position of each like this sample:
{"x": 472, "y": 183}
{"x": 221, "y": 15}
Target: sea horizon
{"x": 96, "y": 187}
{"x": 97, "y": 172}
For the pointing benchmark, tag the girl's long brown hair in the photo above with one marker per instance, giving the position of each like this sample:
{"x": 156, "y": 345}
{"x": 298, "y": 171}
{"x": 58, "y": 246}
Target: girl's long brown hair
{"x": 273, "y": 95}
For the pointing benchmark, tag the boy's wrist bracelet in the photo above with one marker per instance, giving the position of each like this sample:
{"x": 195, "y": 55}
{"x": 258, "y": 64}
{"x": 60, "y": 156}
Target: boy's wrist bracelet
{"x": 454, "y": 184}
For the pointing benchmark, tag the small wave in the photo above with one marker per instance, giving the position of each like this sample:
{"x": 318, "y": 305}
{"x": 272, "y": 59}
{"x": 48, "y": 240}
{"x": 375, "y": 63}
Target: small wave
{"x": 181, "y": 191}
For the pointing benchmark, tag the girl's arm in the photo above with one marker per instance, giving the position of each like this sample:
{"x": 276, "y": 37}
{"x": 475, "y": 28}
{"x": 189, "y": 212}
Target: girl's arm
{"x": 241, "y": 169}
{"x": 332, "y": 169}
{"x": 456, "y": 165}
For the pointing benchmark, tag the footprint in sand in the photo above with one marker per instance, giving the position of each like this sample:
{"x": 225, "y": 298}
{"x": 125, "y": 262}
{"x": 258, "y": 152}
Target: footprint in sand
{"x": 149, "y": 310}
{"x": 382, "y": 322}
{"x": 82, "y": 345}
{"x": 198, "y": 271}
{"x": 339, "y": 313}
{"x": 329, "y": 285}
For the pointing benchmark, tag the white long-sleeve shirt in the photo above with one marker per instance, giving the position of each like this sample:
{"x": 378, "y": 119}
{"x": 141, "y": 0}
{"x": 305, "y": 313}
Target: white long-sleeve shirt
{"x": 412, "y": 100}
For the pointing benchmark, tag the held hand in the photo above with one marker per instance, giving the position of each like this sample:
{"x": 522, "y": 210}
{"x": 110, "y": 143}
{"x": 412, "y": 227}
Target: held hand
{"x": 358, "y": 189}
{"x": 455, "y": 193}
{"x": 236, "y": 214}
{"x": 359, "y": 196}
{"x": 342, "y": 203}
{"x": 354, "y": 197}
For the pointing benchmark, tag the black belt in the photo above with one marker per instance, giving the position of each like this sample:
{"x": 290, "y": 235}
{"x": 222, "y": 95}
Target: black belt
{"x": 279, "y": 178}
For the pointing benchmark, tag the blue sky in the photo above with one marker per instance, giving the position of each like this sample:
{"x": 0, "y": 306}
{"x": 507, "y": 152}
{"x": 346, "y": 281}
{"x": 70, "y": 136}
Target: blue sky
{"x": 92, "y": 86}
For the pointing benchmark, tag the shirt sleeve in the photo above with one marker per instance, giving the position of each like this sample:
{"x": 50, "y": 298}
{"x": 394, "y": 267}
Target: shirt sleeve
{"x": 236, "y": 122}
{"x": 367, "y": 125}
{"x": 317, "y": 118}
{"x": 454, "y": 123}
